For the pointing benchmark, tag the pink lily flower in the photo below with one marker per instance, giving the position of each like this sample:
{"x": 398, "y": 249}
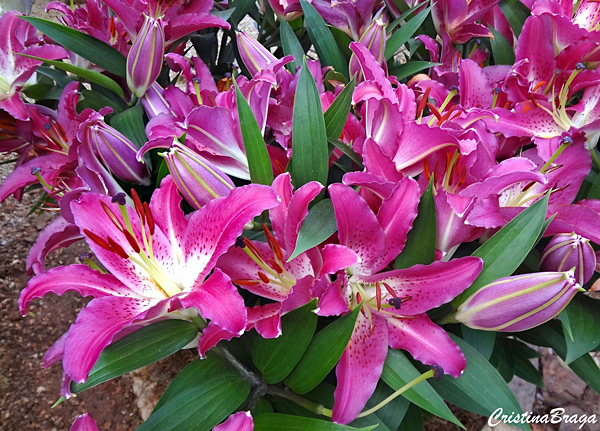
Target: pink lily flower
{"x": 459, "y": 18}
{"x": 84, "y": 423}
{"x": 240, "y": 421}
{"x": 266, "y": 270}
{"x": 15, "y": 70}
{"x": 350, "y": 16}
{"x": 393, "y": 302}
{"x": 159, "y": 266}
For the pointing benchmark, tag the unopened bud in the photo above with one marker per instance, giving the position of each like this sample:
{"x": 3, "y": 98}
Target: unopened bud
{"x": 566, "y": 251}
{"x": 145, "y": 59}
{"x": 519, "y": 302}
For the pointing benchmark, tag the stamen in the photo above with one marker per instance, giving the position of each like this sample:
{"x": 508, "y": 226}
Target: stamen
{"x": 245, "y": 282}
{"x": 390, "y": 290}
{"x": 434, "y": 111}
{"x": 149, "y": 218}
{"x": 112, "y": 216}
{"x": 253, "y": 249}
{"x": 273, "y": 243}
{"x": 537, "y": 87}
{"x": 278, "y": 268}
{"x": 264, "y": 277}
{"x": 85, "y": 256}
{"x": 139, "y": 208}
{"x": 95, "y": 238}
{"x": 423, "y": 102}
{"x": 132, "y": 241}
{"x": 378, "y": 295}
{"x": 116, "y": 248}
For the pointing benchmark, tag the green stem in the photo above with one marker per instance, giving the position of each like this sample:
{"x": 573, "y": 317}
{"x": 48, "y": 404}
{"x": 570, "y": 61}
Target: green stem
{"x": 399, "y": 392}
{"x": 297, "y": 399}
{"x": 199, "y": 322}
{"x": 554, "y": 157}
{"x": 595, "y": 158}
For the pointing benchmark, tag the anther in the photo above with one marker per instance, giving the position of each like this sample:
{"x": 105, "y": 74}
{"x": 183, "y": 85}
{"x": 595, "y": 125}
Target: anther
{"x": 275, "y": 266}
{"x": 132, "y": 241}
{"x": 438, "y": 372}
{"x": 116, "y": 248}
{"x": 264, "y": 277}
{"x": 95, "y": 238}
{"x": 244, "y": 282}
{"x": 137, "y": 203}
{"x": 111, "y": 216}
{"x": 149, "y": 218}
{"x": 119, "y": 198}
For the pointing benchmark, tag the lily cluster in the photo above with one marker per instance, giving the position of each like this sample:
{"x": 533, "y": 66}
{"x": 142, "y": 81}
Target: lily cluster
{"x": 401, "y": 189}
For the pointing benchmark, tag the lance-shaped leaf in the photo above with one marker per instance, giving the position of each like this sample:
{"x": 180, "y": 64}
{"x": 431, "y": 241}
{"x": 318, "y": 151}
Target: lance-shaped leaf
{"x": 501, "y": 48}
{"x": 387, "y": 417}
{"x": 400, "y": 37}
{"x": 131, "y": 124}
{"x": 410, "y": 68}
{"x": 291, "y": 46}
{"x": 322, "y": 354}
{"x": 82, "y": 44}
{"x": 584, "y": 320}
{"x": 322, "y": 39}
{"x": 318, "y": 225}
{"x": 278, "y": 422}
{"x": 413, "y": 419}
{"x": 482, "y": 341}
{"x": 337, "y": 113}
{"x": 310, "y": 154}
{"x": 139, "y": 349}
{"x": 551, "y": 335}
{"x": 503, "y": 253}
{"x": 96, "y": 100}
{"x": 480, "y": 389}
{"x": 259, "y": 163}
{"x": 421, "y": 239}
{"x": 398, "y": 371}
{"x": 516, "y": 13}
{"x": 200, "y": 397}
{"x": 276, "y": 357}
{"x": 90, "y": 75}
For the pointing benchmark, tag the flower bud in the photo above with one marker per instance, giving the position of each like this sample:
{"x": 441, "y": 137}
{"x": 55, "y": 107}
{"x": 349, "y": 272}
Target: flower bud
{"x": 374, "y": 40}
{"x": 566, "y": 251}
{"x": 145, "y": 59}
{"x": 286, "y": 9}
{"x": 519, "y": 302}
{"x": 198, "y": 180}
{"x": 115, "y": 151}
{"x": 256, "y": 57}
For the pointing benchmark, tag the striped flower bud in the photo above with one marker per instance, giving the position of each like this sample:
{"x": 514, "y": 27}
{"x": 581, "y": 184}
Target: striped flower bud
{"x": 145, "y": 58}
{"x": 198, "y": 180}
{"x": 115, "y": 151}
{"x": 256, "y": 57}
{"x": 519, "y": 302}
{"x": 374, "y": 40}
{"x": 569, "y": 250}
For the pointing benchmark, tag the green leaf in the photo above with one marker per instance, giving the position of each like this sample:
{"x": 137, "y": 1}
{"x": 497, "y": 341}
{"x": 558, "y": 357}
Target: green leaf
{"x": 310, "y": 158}
{"x": 501, "y": 49}
{"x": 323, "y": 353}
{"x": 387, "y": 417}
{"x": 318, "y": 225}
{"x": 523, "y": 366}
{"x": 131, "y": 124}
{"x": 398, "y": 371}
{"x": 59, "y": 76}
{"x": 96, "y": 101}
{"x": 503, "y": 253}
{"x": 390, "y": 27}
{"x": 401, "y": 36}
{"x": 242, "y": 7}
{"x": 410, "y": 68}
{"x": 337, "y": 113}
{"x": 163, "y": 171}
{"x": 276, "y": 357}
{"x": 90, "y": 75}
{"x": 482, "y": 341}
{"x": 594, "y": 192}
{"x": 480, "y": 389}
{"x": 516, "y": 13}
{"x": 141, "y": 348}
{"x": 291, "y": 46}
{"x": 259, "y": 163}
{"x": 421, "y": 239}
{"x": 584, "y": 319}
{"x": 348, "y": 151}
{"x": 203, "y": 394}
{"x": 551, "y": 335}
{"x": 502, "y": 359}
{"x": 80, "y": 43}
{"x": 279, "y": 422}
{"x": 413, "y": 419}
{"x": 42, "y": 91}
{"x": 322, "y": 39}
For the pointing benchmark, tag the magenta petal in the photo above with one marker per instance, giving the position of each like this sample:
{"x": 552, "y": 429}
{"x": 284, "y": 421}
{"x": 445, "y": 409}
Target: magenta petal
{"x": 211, "y": 335}
{"x": 336, "y": 257}
{"x": 214, "y": 227}
{"x": 79, "y": 278}
{"x": 84, "y": 423}
{"x": 266, "y": 319}
{"x": 218, "y": 300}
{"x": 360, "y": 367}
{"x": 58, "y": 234}
{"x": 95, "y": 328}
{"x": 167, "y": 213}
{"x": 297, "y": 211}
{"x": 427, "y": 343}
{"x": 283, "y": 186}
{"x": 240, "y": 421}
{"x": 428, "y": 286}
{"x": 358, "y": 228}
{"x": 55, "y": 352}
